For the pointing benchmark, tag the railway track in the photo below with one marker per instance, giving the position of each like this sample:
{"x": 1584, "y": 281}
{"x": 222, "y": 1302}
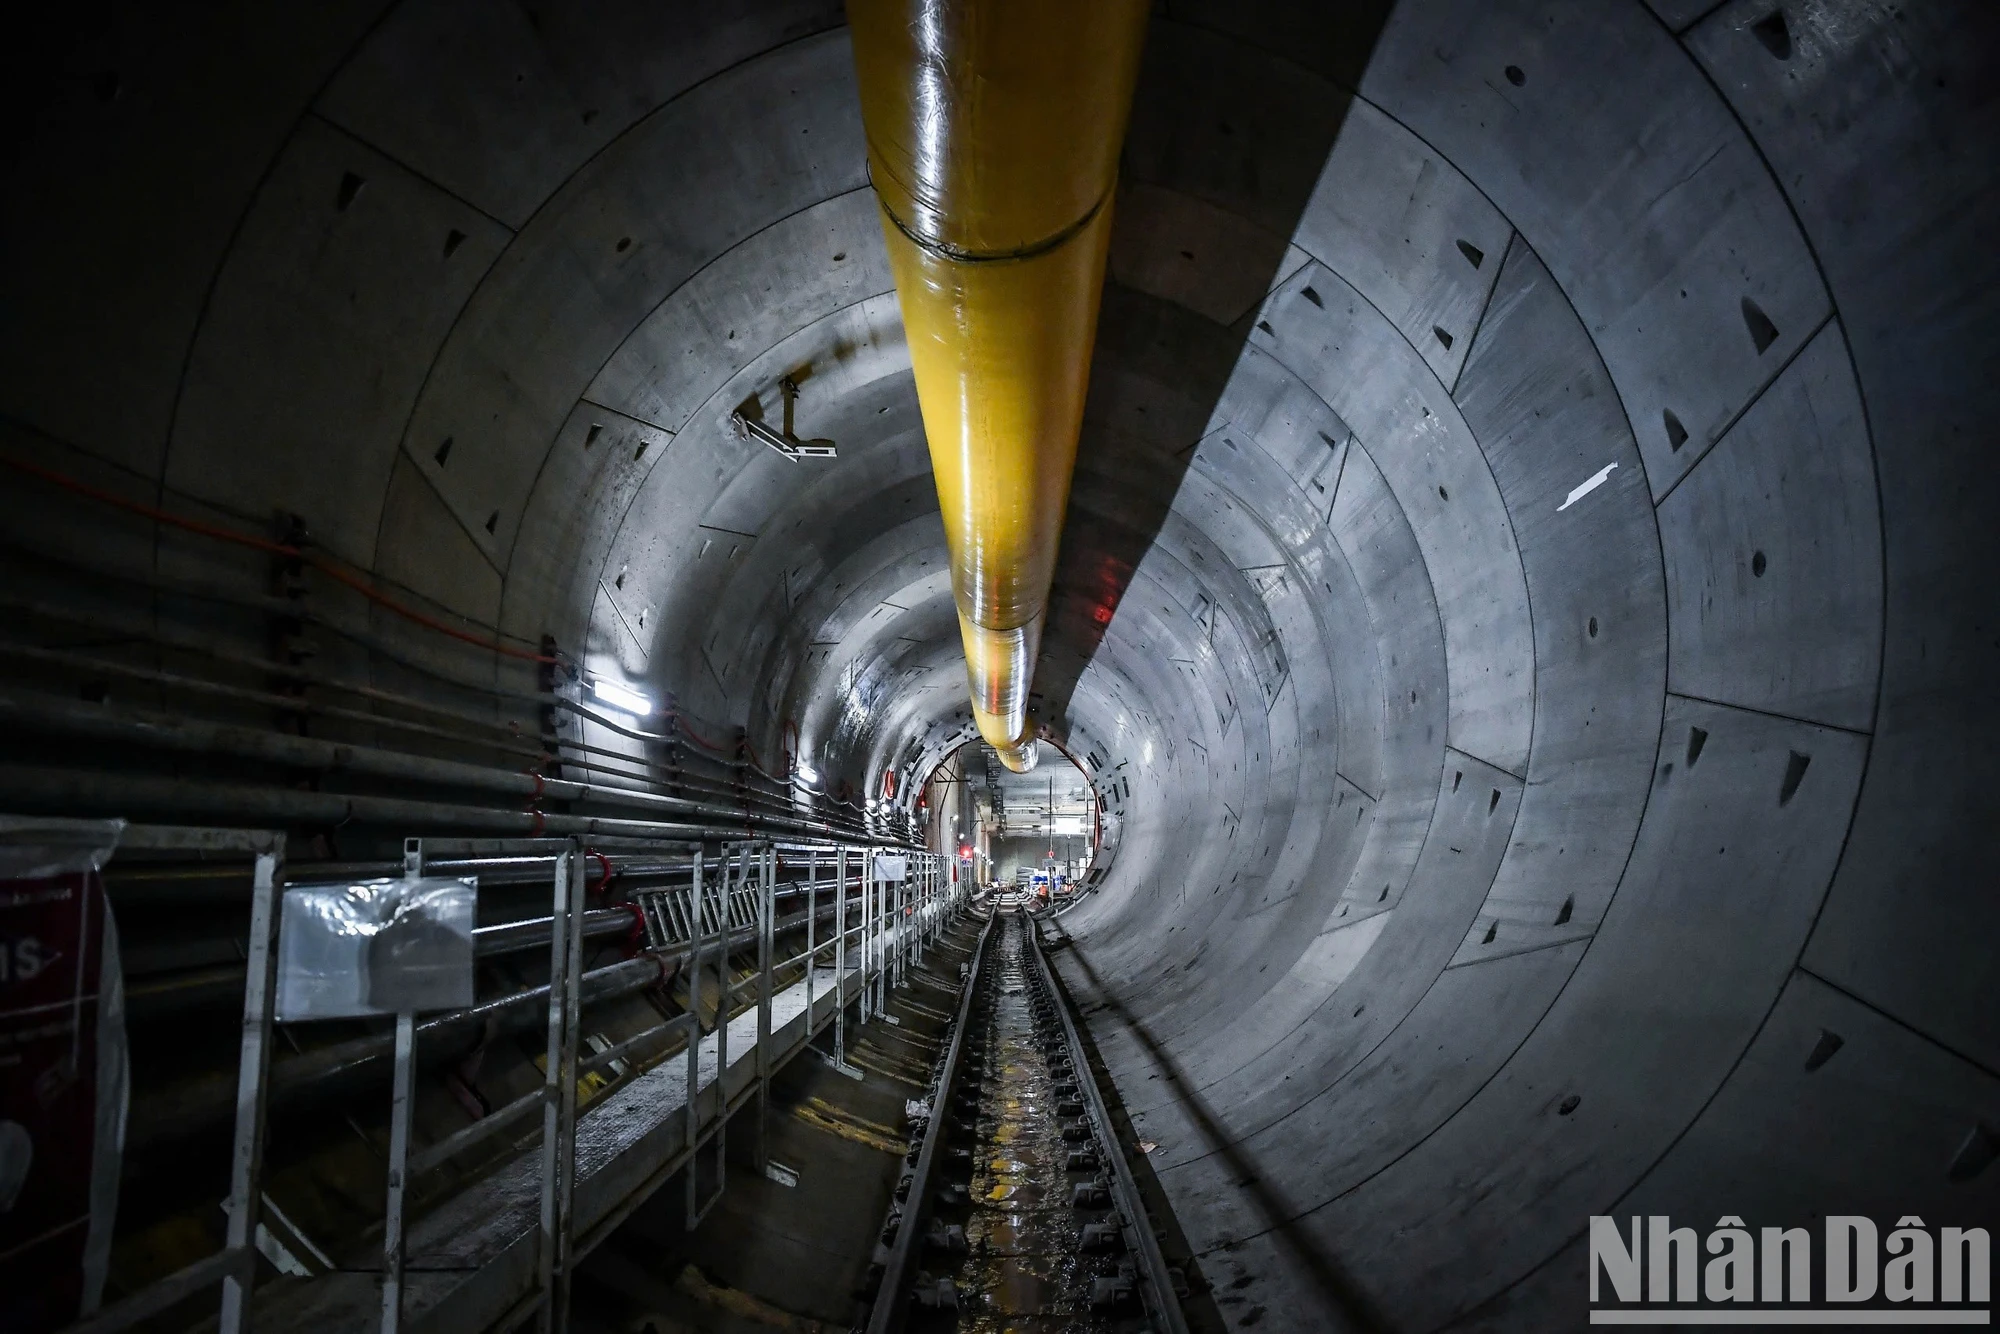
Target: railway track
{"x": 1016, "y": 1210}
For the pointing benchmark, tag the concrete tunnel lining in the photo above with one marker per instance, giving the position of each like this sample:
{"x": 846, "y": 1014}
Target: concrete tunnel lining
{"x": 1429, "y": 930}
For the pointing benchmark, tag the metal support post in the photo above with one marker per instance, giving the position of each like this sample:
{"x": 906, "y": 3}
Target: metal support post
{"x": 766, "y": 908}
{"x": 875, "y": 924}
{"x": 840, "y": 957}
{"x": 253, "y": 1072}
{"x": 879, "y": 921}
{"x": 812, "y": 935}
{"x": 690, "y": 1119}
{"x": 867, "y": 933}
{"x": 900, "y": 919}
{"x": 697, "y": 1208}
{"x": 559, "y": 1088}
{"x": 402, "y": 1095}
{"x": 725, "y": 985}
{"x": 401, "y": 1098}
{"x": 839, "y": 1058}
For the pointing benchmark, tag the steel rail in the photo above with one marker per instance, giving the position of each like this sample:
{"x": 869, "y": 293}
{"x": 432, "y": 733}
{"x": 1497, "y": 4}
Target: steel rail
{"x": 893, "y": 1296}
{"x": 1156, "y": 1286}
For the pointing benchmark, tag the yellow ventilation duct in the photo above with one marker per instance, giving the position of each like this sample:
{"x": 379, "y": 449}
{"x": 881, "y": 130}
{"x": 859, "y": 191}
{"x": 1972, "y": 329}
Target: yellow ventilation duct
{"x": 993, "y": 135}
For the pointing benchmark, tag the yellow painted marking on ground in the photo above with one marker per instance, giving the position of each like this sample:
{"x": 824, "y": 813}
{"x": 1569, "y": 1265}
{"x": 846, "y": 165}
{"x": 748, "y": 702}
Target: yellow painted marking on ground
{"x": 833, "y": 1120}
{"x": 904, "y": 1002}
{"x": 857, "y": 1058}
{"x": 892, "y": 1057}
{"x": 744, "y": 1305}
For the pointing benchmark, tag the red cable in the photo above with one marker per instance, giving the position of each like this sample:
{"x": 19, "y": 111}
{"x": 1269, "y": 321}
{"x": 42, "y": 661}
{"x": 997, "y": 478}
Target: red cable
{"x": 255, "y": 543}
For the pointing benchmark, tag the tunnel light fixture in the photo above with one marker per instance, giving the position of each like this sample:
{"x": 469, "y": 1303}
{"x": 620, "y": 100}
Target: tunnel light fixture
{"x": 621, "y": 697}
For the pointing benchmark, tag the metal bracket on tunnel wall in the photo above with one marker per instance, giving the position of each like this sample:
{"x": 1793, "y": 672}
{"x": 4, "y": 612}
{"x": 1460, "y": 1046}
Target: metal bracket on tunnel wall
{"x": 752, "y": 426}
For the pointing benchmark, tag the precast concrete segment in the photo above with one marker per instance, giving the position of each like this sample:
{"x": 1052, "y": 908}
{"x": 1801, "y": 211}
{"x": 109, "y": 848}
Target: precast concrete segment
{"x": 1387, "y": 564}
{"x": 1541, "y": 404}
{"x": 1900, "y": 1098}
{"x": 636, "y": 222}
{"x": 1912, "y": 284}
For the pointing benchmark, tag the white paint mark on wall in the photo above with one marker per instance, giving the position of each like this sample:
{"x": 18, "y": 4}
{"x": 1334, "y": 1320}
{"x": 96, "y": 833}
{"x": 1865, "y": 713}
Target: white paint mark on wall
{"x": 1590, "y": 484}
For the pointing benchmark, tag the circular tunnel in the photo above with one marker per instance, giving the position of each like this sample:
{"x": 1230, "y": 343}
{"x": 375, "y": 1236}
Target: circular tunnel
{"x": 1524, "y": 606}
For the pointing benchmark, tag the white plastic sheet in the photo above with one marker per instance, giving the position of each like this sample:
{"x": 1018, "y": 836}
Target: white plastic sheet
{"x": 376, "y": 947}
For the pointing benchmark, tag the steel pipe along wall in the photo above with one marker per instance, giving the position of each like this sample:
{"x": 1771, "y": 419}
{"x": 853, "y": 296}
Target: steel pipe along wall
{"x": 1524, "y": 603}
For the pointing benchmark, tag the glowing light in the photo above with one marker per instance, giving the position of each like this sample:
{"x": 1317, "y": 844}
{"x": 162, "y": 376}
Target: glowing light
{"x": 807, "y": 774}
{"x": 622, "y": 697}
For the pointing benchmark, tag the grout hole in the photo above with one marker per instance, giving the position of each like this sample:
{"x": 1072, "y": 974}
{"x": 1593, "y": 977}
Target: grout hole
{"x": 1473, "y": 254}
{"x": 1795, "y": 773}
{"x": 1493, "y": 802}
{"x": 350, "y": 186}
{"x": 1359, "y": 1008}
{"x": 1569, "y": 1104}
{"x": 1265, "y": 325}
{"x": 1313, "y": 297}
{"x": 1443, "y": 494}
{"x": 1456, "y": 777}
{"x": 443, "y": 451}
{"x": 1697, "y": 738}
{"x": 1762, "y": 332}
{"x": 1757, "y": 564}
{"x": 1563, "y": 915}
{"x": 1492, "y": 930}
{"x": 1976, "y": 1154}
{"x": 1677, "y": 434}
{"x": 1823, "y": 1050}
{"x": 453, "y": 239}
{"x": 1592, "y": 627}
{"x": 624, "y": 244}
{"x": 1383, "y": 897}
{"x": 590, "y": 436}
{"x": 1514, "y": 75}
{"x": 1442, "y": 337}
{"x": 640, "y": 452}
{"x": 839, "y": 255}
{"x": 493, "y": 521}
{"x": 1772, "y": 32}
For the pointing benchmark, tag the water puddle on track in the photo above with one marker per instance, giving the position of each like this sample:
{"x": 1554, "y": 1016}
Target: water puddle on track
{"x": 1025, "y": 1271}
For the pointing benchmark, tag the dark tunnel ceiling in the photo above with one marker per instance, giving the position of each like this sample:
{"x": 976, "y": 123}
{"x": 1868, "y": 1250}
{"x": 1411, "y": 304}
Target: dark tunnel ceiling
{"x": 1515, "y": 599}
